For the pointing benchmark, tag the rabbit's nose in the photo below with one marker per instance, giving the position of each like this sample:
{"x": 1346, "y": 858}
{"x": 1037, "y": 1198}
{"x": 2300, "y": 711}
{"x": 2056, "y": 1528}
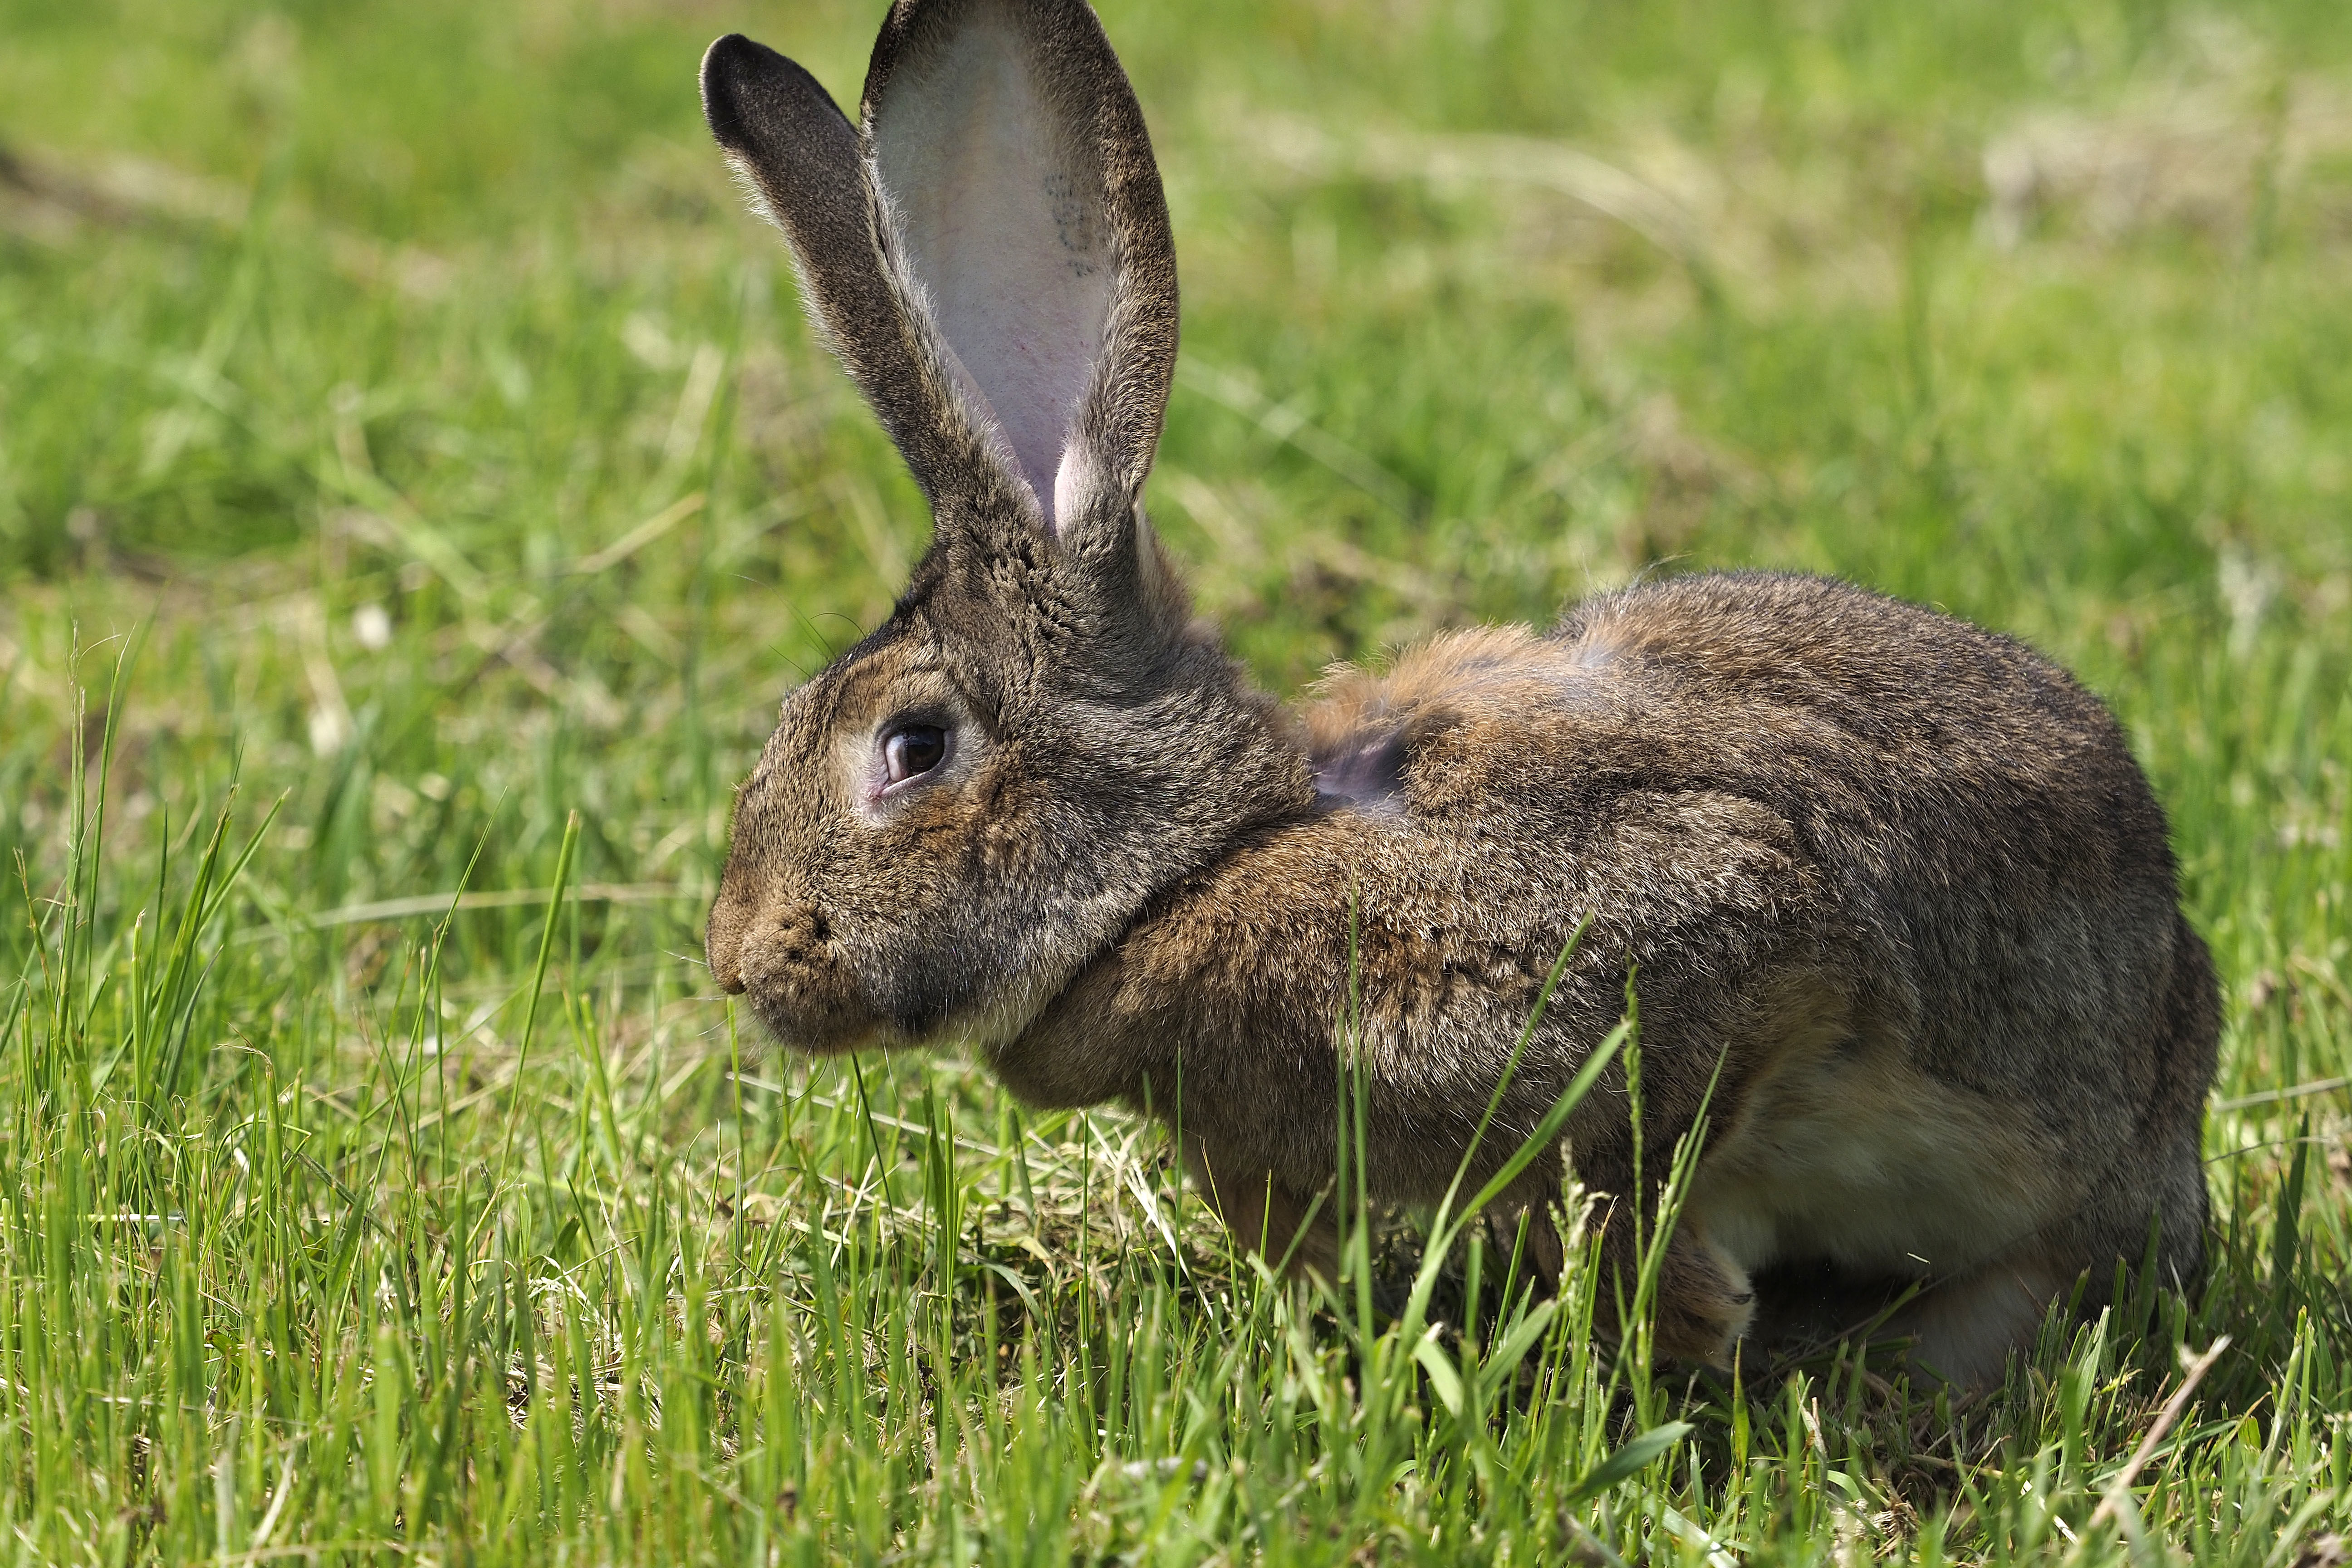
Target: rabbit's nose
{"x": 724, "y": 944}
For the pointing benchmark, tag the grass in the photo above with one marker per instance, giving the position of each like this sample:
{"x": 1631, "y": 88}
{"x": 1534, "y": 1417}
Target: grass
{"x": 417, "y": 483}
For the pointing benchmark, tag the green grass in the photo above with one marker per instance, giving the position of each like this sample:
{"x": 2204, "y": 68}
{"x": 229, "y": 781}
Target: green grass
{"x": 409, "y": 450}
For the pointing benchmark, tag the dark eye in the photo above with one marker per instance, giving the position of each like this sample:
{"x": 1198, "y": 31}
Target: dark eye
{"x": 913, "y": 751}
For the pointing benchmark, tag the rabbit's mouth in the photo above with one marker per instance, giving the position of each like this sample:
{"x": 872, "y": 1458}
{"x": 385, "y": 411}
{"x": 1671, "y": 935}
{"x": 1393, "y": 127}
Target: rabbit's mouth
{"x": 796, "y": 1037}
{"x": 795, "y": 1033}
{"x": 823, "y": 1023}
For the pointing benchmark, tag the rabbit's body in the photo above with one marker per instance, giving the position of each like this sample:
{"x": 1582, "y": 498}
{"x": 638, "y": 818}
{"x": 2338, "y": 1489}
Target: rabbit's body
{"x": 1790, "y": 806}
{"x": 1890, "y": 888}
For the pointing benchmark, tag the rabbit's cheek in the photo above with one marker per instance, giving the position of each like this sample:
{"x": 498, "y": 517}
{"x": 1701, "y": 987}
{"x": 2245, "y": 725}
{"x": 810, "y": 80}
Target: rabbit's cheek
{"x": 929, "y": 835}
{"x": 986, "y": 821}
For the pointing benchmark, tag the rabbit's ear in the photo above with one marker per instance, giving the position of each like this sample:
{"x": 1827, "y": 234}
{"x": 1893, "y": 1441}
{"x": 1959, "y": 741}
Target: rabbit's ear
{"x": 802, "y": 161}
{"x": 1021, "y": 204}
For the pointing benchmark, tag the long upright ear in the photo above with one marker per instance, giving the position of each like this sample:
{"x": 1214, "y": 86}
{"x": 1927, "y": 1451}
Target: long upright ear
{"x": 1022, "y": 206}
{"x": 802, "y": 160}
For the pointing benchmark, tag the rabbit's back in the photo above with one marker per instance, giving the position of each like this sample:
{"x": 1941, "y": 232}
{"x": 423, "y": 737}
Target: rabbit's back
{"x": 1966, "y": 829}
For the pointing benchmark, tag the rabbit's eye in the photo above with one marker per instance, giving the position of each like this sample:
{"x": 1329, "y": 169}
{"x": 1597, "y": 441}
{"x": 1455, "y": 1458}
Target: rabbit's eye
{"x": 914, "y": 750}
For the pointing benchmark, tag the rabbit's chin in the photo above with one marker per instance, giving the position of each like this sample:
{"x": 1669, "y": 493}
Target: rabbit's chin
{"x": 823, "y": 1013}
{"x": 982, "y": 1024}
{"x": 826, "y": 1037}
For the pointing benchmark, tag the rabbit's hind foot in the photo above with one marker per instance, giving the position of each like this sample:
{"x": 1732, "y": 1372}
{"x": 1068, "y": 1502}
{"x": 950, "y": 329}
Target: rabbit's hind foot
{"x": 1964, "y": 1330}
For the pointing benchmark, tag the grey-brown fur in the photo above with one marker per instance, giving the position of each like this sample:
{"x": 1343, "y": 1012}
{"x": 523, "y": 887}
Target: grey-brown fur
{"x": 1892, "y": 884}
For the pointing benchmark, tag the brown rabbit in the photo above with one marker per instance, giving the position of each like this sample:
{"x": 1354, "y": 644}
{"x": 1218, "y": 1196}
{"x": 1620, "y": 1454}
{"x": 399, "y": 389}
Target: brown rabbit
{"x": 1892, "y": 885}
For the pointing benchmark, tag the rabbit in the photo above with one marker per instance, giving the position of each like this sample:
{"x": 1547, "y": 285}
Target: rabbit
{"x": 1896, "y": 905}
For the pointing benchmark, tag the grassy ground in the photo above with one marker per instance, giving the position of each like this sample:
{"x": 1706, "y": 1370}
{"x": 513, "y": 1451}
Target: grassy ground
{"x": 416, "y": 476}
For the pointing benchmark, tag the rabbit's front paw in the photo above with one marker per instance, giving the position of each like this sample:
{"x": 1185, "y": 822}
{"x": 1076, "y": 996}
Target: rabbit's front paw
{"x": 1705, "y": 1302}
{"x": 1261, "y": 1213}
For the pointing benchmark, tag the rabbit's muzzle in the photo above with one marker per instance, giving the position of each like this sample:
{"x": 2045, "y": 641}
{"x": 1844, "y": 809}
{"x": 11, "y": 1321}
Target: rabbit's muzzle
{"x": 781, "y": 957}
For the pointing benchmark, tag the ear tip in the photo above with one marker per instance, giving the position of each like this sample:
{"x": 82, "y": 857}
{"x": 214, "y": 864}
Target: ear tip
{"x": 730, "y": 66}
{"x": 911, "y": 25}
{"x": 749, "y": 88}
{"x": 733, "y": 57}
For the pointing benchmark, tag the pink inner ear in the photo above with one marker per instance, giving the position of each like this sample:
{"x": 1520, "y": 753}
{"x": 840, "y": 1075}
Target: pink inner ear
{"x": 1002, "y": 220}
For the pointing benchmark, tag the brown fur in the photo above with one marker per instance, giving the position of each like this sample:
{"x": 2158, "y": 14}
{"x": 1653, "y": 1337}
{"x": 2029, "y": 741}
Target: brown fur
{"x": 1889, "y": 887}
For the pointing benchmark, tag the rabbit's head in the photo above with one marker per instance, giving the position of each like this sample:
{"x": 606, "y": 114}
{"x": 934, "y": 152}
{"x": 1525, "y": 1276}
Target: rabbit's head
{"x": 980, "y": 795}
